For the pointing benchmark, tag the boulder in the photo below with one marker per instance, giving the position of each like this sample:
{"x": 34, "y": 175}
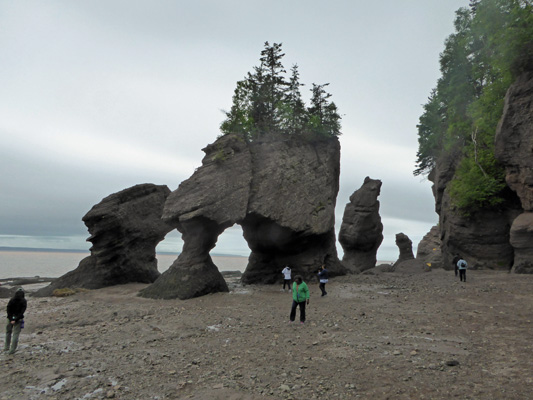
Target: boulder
{"x": 361, "y": 231}
{"x": 428, "y": 250}
{"x": 125, "y": 229}
{"x": 405, "y": 245}
{"x": 281, "y": 191}
{"x": 411, "y": 266}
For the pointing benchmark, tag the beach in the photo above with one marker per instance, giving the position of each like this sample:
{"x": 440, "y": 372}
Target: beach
{"x": 384, "y": 336}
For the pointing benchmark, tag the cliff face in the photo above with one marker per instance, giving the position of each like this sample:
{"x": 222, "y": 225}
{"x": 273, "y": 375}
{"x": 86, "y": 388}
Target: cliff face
{"x": 281, "y": 192}
{"x": 514, "y": 149}
{"x": 483, "y": 237}
{"x": 495, "y": 239}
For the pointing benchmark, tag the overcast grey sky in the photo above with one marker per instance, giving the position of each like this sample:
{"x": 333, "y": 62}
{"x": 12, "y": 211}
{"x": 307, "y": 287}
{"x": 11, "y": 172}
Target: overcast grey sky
{"x": 97, "y": 96}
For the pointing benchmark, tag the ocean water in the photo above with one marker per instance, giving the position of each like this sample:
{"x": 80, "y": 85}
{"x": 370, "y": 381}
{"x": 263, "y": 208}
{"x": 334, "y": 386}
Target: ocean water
{"x": 51, "y": 264}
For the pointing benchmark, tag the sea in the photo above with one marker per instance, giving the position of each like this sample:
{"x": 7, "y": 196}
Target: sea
{"x": 53, "y": 264}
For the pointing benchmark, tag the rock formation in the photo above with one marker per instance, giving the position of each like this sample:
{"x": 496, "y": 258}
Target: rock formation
{"x": 405, "y": 245}
{"x": 361, "y": 231}
{"x": 514, "y": 149}
{"x": 125, "y": 229}
{"x": 428, "y": 250}
{"x": 483, "y": 237}
{"x": 282, "y": 193}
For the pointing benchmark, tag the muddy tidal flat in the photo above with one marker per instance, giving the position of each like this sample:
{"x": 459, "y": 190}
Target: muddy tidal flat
{"x": 386, "y": 336}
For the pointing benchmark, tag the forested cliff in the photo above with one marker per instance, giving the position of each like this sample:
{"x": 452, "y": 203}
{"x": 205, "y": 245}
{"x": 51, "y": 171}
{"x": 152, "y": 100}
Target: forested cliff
{"x": 492, "y": 47}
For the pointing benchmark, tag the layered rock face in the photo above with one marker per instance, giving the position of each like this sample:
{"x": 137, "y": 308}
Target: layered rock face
{"x": 125, "y": 229}
{"x": 428, "y": 250}
{"x": 482, "y": 238}
{"x": 514, "y": 149}
{"x": 282, "y": 193}
{"x": 405, "y": 245}
{"x": 361, "y": 231}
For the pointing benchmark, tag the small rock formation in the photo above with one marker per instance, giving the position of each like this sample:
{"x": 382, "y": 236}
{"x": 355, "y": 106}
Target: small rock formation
{"x": 405, "y": 245}
{"x": 125, "y": 229}
{"x": 514, "y": 149}
{"x": 282, "y": 192}
{"x": 522, "y": 242}
{"x": 428, "y": 250}
{"x": 361, "y": 232}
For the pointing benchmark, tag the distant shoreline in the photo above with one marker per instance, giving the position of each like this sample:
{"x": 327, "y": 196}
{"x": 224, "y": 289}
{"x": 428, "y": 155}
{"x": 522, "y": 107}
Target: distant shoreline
{"x": 48, "y": 250}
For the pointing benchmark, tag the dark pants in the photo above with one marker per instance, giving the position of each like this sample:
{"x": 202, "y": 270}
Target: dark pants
{"x": 456, "y": 269}
{"x": 462, "y": 275}
{"x": 286, "y": 282}
{"x": 302, "y": 310}
{"x": 322, "y": 287}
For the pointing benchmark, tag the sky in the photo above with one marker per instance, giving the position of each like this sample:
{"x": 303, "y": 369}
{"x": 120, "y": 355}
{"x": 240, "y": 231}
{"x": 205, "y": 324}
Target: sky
{"x": 97, "y": 96}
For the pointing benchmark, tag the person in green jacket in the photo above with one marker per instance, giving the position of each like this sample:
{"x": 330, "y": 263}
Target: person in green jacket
{"x": 300, "y": 297}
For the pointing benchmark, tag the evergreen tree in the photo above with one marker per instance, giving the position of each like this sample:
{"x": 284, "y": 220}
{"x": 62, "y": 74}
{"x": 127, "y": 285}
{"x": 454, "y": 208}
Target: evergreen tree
{"x": 293, "y": 112}
{"x": 480, "y": 61}
{"x": 324, "y": 119}
{"x": 265, "y": 103}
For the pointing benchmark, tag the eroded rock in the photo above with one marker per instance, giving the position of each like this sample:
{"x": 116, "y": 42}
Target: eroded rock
{"x": 405, "y": 245}
{"x": 514, "y": 149}
{"x": 282, "y": 193}
{"x": 125, "y": 229}
{"x": 428, "y": 250}
{"x": 361, "y": 232}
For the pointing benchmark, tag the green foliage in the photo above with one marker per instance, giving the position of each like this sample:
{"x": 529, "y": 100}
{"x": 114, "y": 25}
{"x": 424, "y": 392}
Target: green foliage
{"x": 472, "y": 189}
{"x": 265, "y": 103}
{"x": 479, "y": 62}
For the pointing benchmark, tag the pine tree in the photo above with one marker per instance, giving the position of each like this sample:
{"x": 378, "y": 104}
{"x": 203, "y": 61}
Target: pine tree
{"x": 294, "y": 114}
{"x": 265, "y": 103}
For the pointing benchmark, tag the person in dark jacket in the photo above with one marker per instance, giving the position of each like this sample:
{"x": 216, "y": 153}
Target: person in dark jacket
{"x": 454, "y": 262}
{"x": 323, "y": 278}
{"x": 15, "y": 320}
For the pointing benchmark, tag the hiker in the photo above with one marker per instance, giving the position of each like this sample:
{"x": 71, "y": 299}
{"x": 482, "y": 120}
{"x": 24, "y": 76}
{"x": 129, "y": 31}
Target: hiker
{"x": 461, "y": 265}
{"x": 454, "y": 262}
{"x": 323, "y": 279}
{"x": 15, "y": 320}
{"x": 286, "y": 277}
{"x": 300, "y": 297}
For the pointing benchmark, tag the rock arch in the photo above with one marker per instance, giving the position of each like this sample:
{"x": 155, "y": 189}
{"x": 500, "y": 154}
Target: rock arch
{"x": 282, "y": 192}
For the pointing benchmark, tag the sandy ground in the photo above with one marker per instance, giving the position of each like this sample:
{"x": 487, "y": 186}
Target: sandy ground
{"x": 387, "y": 336}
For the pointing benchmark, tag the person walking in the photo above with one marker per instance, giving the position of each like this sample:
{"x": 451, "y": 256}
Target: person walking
{"x": 454, "y": 262}
{"x": 286, "y": 277}
{"x": 323, "y": 279}
{"x": 462, "y": 265}
{"x": 300, "y": 297}
{"x": 15, "y": 320}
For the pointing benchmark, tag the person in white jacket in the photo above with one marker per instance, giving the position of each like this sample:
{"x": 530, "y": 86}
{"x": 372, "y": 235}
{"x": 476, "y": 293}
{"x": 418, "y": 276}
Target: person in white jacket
{"x": 461, "y": 265}
{"x": 286, "y": 277}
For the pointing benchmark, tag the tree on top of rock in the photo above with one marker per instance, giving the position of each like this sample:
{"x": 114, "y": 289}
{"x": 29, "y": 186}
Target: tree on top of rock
{"x": 265, "y": 103}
